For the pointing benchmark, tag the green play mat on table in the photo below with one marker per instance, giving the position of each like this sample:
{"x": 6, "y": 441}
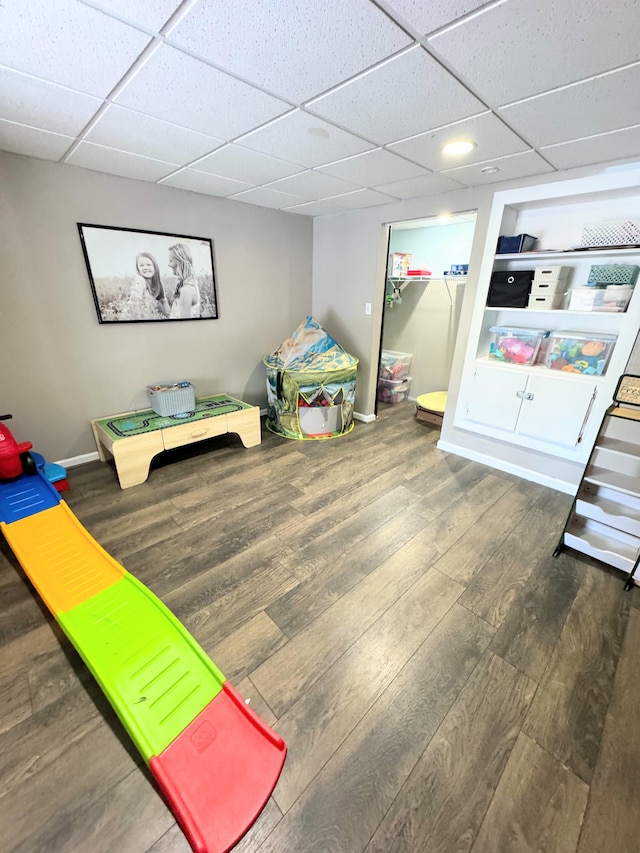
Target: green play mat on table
{"x": 137, "y": 423}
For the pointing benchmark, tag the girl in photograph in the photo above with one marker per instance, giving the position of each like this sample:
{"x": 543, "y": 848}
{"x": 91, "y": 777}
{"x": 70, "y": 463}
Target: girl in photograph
{"x": 147, "y": 300}
{"x": 186, "y": 299}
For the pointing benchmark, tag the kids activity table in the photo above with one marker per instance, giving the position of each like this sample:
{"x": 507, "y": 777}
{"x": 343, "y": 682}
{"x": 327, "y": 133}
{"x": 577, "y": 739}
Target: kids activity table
{"x": 134, "y": 438}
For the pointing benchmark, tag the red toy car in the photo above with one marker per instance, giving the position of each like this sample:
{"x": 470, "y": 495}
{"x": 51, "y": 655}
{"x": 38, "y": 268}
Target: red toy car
{"x": 15, "y": 458}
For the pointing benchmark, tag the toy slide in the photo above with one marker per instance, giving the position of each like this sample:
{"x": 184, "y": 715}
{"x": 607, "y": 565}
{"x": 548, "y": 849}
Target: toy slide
{"x": 215, "y": 761}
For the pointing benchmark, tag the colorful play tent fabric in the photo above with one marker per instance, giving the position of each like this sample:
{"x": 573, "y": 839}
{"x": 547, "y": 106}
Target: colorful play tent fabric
{"x": 311, "y": 385}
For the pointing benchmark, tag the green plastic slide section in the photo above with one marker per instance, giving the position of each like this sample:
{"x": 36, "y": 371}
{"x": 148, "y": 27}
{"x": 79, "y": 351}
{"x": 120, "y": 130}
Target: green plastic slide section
{"x": 153, "y": 672}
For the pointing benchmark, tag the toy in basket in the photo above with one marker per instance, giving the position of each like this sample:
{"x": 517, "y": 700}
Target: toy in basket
{"x": 172, "y": 399}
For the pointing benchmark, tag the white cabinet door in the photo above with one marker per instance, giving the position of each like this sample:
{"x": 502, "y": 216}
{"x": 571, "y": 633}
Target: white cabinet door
{"x": 555, "y": 409}
{"x": 493, "y": 398}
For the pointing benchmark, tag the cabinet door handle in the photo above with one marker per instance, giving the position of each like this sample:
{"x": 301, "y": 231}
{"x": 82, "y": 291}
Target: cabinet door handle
{"x": 524, "y": 395}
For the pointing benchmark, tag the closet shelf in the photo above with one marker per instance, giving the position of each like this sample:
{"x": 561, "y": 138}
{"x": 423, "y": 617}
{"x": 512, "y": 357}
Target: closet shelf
{"x": 569, "y": 253}
{"x": 540, "y": 369}
{"x": 400, "y": 282}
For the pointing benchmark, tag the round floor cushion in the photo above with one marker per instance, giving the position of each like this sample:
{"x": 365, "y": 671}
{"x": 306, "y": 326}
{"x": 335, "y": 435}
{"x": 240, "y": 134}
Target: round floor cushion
{"x": 435, "y": 401}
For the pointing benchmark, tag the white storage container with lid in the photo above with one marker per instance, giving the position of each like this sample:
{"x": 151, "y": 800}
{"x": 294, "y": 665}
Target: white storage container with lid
{"x": 515, "y": 345}
{"x": 579, "y": 352}
{"x": 545, "y": 301}
{"x": 550, "y": 273}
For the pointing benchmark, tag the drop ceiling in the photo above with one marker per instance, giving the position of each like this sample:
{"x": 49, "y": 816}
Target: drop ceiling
{"x": 325, "y": 106}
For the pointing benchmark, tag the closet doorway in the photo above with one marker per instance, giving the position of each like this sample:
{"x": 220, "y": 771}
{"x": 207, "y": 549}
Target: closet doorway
{"x": 422, "y": 303}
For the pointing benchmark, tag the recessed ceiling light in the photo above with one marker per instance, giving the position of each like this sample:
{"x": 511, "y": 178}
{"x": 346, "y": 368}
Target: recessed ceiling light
{"x": 490, "y": 170}
{"x": 458, "y": 148}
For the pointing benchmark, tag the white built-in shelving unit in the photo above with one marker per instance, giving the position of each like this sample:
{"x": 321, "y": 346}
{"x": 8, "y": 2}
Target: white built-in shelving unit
{"x": 545, "y": 411}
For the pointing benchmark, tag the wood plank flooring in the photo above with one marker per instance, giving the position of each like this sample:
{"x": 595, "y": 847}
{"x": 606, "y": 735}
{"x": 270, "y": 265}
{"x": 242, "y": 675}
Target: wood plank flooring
{"x": 444, "y": 684}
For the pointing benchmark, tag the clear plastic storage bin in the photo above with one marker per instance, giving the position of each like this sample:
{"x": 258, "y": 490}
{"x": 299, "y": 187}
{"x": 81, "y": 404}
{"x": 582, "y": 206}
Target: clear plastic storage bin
{"x": 578, "y": 352}
{"x": 393, "y": 390}
{"x": 614, "y": 298}
{"x": 394, "y": 365}
{"x": 515, "y": 345}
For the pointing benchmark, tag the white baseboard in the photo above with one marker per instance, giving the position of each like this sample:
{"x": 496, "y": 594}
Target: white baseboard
{"x": 366, "y": 419}
{"x": 509, "y": 468}
{"x": 78, "y": 460}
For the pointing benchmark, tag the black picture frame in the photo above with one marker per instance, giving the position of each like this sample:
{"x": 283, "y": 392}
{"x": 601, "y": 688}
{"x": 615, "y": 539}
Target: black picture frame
{"x": 628, "y": 389}
{"x": 132, "y": 280}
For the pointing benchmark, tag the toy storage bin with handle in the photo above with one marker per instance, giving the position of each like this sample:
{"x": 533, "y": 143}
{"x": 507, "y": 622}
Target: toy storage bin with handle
{"x": 393, "y": 390}
{"x": 395, "y": 365}
{"x": 172, "y": 399}
{"x": 578, "y": 352}
{"x": 515, "y": 345}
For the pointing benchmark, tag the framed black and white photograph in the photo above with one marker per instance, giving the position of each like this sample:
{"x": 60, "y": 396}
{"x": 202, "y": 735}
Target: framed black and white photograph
{"x": 147, "y": 276}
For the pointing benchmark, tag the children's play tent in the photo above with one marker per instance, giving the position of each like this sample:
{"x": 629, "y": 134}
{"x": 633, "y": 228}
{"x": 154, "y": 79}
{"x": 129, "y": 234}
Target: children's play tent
{"x": 311, "y": 385}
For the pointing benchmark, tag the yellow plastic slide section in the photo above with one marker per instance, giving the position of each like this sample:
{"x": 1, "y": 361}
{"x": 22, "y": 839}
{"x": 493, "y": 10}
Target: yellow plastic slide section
{"x": 63, "y": 561}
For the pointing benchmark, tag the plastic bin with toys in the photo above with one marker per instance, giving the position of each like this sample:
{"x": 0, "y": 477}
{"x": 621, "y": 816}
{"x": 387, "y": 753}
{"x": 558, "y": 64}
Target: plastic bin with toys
{"x": 394, "y": 365}
{"x": 515, "y": 345}
{"x": 393, "y": 390}
{"x": 577, "y": 352}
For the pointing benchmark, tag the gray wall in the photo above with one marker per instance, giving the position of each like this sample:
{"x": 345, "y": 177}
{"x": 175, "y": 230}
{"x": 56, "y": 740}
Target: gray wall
{"x": 61, "y": 368}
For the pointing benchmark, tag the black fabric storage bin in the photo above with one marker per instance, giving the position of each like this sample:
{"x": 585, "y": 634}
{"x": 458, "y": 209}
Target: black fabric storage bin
{"x": 510, "y": 289}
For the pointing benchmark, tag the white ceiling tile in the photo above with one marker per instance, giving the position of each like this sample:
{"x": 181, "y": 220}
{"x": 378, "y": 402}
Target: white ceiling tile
{"x": 36, "y": 103}
{"x": 310, "y": 186}
{"x": 358, "y": 199}
{"x": 304, "y": 139}
{"x": 152, "y": 14}
{"x": 404, "y": 96}
{"x": 607, "y": 103}
{"x": 201, "y": 98}
{"x": 293, "y": 49}
{"x": 421, "y": 186}
{"x": 204, "y": 182}
{"x": 68, "y": 43}
{"x": 315, "y": 208}
{"x": 266, "y": 197}
{"x": 373, "y": 168}
{"x": 514, "y": 166}
{"x": 101, "y": 159}
{"x": 234, "y": 161}
{"x": 492, "y": 137}
{"x": 32, "y": 141}
{"x": 427, "y": 17}
{"x": 518, "y": 48}
{"x": 127, "y": 130}
{"x": 616, "y": 145}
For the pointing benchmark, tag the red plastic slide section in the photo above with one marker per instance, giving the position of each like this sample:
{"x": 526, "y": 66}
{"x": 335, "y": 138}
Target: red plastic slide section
{"x": 219, "y": 772}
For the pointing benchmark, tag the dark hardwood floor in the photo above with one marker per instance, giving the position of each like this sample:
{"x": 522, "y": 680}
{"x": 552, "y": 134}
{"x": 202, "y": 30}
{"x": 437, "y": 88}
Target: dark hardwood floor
{"x": 444, "y": 684}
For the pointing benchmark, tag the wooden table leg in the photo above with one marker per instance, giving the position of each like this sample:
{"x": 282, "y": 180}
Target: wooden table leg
{"x": 133, "y": 457}
{"x": 246, "y": 423}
